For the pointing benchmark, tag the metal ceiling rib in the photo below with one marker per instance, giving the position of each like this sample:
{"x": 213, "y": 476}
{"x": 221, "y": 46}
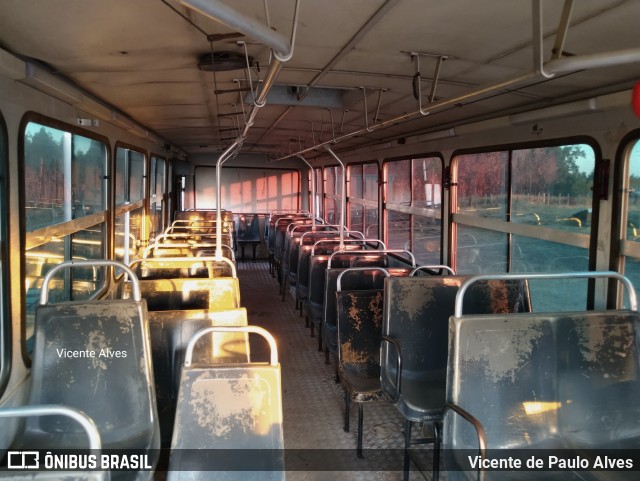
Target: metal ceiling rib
{"x": 143, "y": 63}
{"x": 348, "y": 47}
{"x": 557, "y": 65}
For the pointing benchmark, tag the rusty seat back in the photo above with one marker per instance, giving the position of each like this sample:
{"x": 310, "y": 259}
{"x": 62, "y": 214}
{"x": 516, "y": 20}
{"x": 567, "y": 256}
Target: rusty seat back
{"x": 170, "y": 333}
{"x": 544, "y": 381}
{"x": 224, "y": 409}
{"x": 415, "y": 340}
{"x": 183, "y": 294}
{"x": 94, "y": 356}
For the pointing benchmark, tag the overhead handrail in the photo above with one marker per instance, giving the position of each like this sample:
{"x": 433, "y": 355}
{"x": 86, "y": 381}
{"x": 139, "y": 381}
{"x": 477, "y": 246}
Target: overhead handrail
{"x": 254, "y": 329}
{"x": 353, "y": 269}
{"x": 434, "y": 267}
{"x": 386, "y": 251}
{"x": 283, "y": 51}
{"x": 555, "y": 66}
{"x": 349, "y": 241}
{"x": 44, "y": 294}
{"x": 633, "y": 301}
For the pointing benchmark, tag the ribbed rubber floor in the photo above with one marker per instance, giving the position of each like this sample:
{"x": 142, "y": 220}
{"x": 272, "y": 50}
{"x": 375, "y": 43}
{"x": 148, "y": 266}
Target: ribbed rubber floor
{"x": 313, "y": 402}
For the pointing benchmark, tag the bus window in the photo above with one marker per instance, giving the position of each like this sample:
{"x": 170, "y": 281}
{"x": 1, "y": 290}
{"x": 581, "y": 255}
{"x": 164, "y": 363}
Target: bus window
{"x": 413, "y": 207}
{"x": 157, "y": 191}
{"x": 247, "y": 190}
{"x": 527, "y": 210}
{"x": 630, "y": 236}
{"x": 319, "y": 193}
{"x": 363, "y": 198}
{"x": 129, "y": 203}
{"x": 332, "y": 194}
{"x": 65, "y": 212}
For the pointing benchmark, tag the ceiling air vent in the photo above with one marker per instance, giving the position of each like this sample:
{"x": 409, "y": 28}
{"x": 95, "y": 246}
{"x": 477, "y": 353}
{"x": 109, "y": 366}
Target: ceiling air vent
{"x": 222, "y": 61}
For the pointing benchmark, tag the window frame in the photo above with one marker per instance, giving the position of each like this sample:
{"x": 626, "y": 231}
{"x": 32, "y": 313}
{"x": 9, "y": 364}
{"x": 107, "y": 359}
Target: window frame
{"x": 363, "y": 201}
{"x": 63, "y": 229}
{"x": 155, "y": 197}
{"x": 411, "y": 210}
{"x": 540, "y": 233}
{"x": 6, "y": 328}
{"x": 621, "y": 248}
{"x": 127, "y": 206}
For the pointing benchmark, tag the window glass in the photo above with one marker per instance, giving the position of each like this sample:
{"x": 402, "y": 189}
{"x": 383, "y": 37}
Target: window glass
{"x": 551, "y": 186}
{"x": 319, "y": 193}
{"x": 160, "y": 178}
{"x": 370, "y": 176}
{"x": 121, "y": 174}
{"x": 482, "y": 184}
{"x": 332, "y": 208}
{"x": 136, "y": 176}
{"x": 426, "y": 195}
{"x": 89, "y": 171}
{"x": 355, "y": 181}
{"x": 414, "y": 207}
{"x": 156, "y": 183}
{"x": 398, "y": 180}
{"x": 43, "y": 176}
{"x": 398, "y": 230}
{"x": 246, "y": 190}
{"x": 550, "y": 189}
{"x": 64, "y": 179}
{"x": 630, "y": 238}
{"x": 398, "y": 192}
{"x": 355, "y": 208}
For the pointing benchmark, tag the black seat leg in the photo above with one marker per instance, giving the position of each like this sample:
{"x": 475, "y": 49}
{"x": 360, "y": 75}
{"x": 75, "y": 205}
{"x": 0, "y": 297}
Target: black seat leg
{"x": 347, "y": 407}
{"x": 407, "y": 445}
{"x": 326, "y": 356}
{"x": 360, "y": 424}
{"x": 254, "y": 252}
{"x": 312, "y": 325}
{"x": 437, "y": 433}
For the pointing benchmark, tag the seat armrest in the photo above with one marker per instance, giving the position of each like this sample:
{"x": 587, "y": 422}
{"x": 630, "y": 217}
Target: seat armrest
{"x": 396, "y": 345}
{"x": 481, "y": 433}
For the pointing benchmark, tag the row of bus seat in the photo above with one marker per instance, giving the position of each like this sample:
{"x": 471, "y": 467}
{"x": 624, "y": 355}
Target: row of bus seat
{"x": 499, "y": 377}
{"x": 150, "y": 328}
{"x": 221, "y": 399}
{"x": 92, "y": 359}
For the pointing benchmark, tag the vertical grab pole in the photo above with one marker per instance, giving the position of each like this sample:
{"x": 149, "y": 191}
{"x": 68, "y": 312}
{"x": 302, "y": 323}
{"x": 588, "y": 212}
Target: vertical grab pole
{"x": 223, "y": 157}
{"x": 313, "y": 192}
{"x": 343, "y": 200}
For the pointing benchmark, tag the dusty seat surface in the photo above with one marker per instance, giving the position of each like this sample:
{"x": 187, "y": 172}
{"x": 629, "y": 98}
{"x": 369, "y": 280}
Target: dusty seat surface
{"x": 551, "y": 381}
{"x": 416, "y": 317}
{"x": 229, "y": 408}
{"x": 170, "y": 333}
{"x": 95, "y": 357}
{"x": 356, "y": 283}
{"x": 359, "y": 335}
{"x": 180, "y": 294}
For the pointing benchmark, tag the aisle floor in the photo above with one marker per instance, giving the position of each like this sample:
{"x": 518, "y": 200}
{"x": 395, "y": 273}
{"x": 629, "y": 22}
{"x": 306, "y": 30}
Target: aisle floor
{"x": 313, "y": 403}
